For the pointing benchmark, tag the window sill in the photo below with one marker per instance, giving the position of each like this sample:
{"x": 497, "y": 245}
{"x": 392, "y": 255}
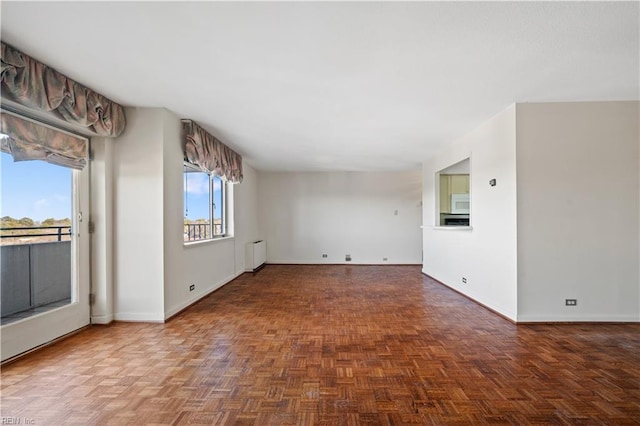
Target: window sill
{"x": 205, "y": 242}
{"x": 453, "y": 228}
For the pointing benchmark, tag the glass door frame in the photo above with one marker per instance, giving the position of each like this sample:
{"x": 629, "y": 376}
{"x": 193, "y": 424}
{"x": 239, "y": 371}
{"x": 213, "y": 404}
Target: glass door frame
{"x": 29, "y": 333}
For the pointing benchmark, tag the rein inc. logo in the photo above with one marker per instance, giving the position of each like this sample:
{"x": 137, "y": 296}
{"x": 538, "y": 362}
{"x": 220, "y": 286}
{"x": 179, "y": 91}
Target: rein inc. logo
{"x": 17, "y": 421}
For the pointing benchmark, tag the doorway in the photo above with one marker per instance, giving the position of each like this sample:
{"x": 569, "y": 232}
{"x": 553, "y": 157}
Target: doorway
{"x": 44, "y": 210}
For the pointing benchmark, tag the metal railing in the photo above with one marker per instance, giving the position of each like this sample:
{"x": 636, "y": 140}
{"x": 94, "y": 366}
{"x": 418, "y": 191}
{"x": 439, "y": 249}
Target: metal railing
{"x": 201, "y": 231}
{"x": 23, "y": 231}
{"x": 34, "y": 275}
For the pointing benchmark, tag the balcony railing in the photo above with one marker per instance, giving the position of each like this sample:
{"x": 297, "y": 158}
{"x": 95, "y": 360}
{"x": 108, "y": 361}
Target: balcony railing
{"x": 200, "y": 231}
{"x": 36, "y": 267}
{"x": 28, "y": 234}
{"x": 34, "y": 275}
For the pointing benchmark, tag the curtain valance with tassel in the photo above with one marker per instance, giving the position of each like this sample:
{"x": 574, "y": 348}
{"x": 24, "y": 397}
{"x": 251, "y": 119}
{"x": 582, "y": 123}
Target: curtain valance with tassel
{"x": 209, "y": 154}
{"x": 35, "y": 85}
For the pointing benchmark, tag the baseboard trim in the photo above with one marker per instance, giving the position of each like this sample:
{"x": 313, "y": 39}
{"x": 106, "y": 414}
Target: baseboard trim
{"x": 285, "y": 263}
{"x": 44, "y": 345}
{"x": 254, "y": 270}
{"x": 586, "y": 319}
{"x": 127, "y": 317}
{"x": 511, "y": 320}
{"x": 102, "y": 319}
{"x": 537, "y": 320}
{"x": 181, "y": 308}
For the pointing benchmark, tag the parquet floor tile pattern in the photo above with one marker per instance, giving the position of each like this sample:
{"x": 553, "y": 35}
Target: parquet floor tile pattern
{"x": 332, "y": 345}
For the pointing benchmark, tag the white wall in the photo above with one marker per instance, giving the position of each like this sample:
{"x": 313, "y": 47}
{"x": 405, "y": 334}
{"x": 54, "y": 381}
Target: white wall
{"x": 138, "y": 198}
{"x": 207, "y": 265}
{"x": 102, "y": 238}
{"x": 303, "y": 215}
{"x": 486, "y": 254}
{"x": 565, "y": 225}
{"x": 578, "y": 197}
{"x": 152, "y": 268}
{"x": 246, "y": 214}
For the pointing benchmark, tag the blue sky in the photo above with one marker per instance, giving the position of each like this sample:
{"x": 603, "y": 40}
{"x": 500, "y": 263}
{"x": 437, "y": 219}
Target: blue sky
{"x": 34, "y": 189}
{"x": 41, "y": 190}
{"x": 196, "y": 199}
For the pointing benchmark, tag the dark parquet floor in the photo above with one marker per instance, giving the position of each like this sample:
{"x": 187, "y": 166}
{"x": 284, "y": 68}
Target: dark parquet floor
{"x": 332, "y": 345}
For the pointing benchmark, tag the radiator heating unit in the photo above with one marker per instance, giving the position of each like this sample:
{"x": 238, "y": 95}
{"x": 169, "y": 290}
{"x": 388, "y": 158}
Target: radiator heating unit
{"x": 255, "y": 255}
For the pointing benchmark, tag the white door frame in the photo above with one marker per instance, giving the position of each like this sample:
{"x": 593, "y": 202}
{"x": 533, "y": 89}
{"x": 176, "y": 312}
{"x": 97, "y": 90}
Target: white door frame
{"x": 29, "y": 333}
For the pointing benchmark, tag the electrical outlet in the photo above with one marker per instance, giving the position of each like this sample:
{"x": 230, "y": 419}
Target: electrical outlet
{"x": 347, "y": 258}
{"x": 571, "y": 302}
{"x": 192, "y": 287}
{"x": 464, "y": 280}
{"x": 384, "y": 259}
{"x": 324, "y": 256}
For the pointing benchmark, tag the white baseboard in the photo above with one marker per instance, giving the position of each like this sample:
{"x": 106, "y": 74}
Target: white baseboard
{"x": 102, "y": 319}
{"x": 537, "y": 318}
{"x": 522, "y": 319}
{"x": 492, "y": 306}
{"x": 171, "y": 312}
{"x": 137, "y": 317}
{"x": 330, "y": 262}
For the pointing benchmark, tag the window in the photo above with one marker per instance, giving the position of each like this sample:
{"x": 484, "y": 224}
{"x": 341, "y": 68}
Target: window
{"x": 204, "y": 205}
{"x": 453, "y": 184}
{"x": 36, "y": 245}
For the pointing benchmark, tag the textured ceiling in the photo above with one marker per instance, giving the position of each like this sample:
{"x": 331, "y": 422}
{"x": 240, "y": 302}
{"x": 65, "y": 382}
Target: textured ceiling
{"x": 336, "y": 86}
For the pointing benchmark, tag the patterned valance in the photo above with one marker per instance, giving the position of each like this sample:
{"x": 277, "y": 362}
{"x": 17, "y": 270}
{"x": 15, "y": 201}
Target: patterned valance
{"x": 35, "y": 85}
{"x": 209, "y": 154}
{"x": 28, "y": 140}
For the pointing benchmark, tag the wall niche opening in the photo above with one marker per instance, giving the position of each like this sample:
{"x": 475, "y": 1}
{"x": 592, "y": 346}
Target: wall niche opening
{"x": 453, "y": 185}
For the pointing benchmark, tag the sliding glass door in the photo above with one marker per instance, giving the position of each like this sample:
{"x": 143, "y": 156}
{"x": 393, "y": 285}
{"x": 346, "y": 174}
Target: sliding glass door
{"x": 44, "y": 211}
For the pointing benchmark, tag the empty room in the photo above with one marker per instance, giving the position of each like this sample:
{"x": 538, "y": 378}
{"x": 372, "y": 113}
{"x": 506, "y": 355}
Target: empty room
{"x": 320, "y": 213}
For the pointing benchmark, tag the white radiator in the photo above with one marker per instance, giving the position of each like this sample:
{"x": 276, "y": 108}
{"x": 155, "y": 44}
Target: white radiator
{"x": 255, "y": 255}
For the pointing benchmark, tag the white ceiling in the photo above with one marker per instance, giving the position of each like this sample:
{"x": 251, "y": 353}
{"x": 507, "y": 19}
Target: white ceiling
{"x": 336, "y": 86}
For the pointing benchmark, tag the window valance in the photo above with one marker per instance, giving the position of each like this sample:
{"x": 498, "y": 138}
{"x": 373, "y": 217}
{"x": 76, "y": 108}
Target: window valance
{"x": 209, "y": 154}
{"x": 28, "y": 140}
{"x": 37, "y": 86}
